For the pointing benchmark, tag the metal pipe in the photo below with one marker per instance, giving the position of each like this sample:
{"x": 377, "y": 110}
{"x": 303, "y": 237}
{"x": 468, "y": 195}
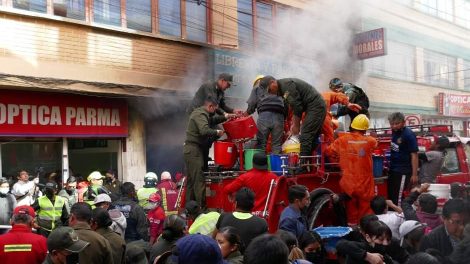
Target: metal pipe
{"x": 271, "y": 185}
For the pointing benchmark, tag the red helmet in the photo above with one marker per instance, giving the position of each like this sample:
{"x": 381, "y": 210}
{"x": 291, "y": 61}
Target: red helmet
{"x": 155, "y": 198}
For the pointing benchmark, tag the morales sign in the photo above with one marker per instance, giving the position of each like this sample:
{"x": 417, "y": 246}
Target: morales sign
{"x": 369, "y": 44}
{"x": 43, "y": 114}
{"x": 454, "y": 105}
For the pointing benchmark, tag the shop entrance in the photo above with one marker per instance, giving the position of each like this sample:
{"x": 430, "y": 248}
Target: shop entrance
{"x": 87, "y": 155}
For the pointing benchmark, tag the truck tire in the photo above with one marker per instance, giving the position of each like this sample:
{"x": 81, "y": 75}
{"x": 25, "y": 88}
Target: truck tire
{"x": 320, "y": 203}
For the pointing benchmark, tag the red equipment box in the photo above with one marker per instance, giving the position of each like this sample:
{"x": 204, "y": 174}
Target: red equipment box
{"x": 240, "y": 128}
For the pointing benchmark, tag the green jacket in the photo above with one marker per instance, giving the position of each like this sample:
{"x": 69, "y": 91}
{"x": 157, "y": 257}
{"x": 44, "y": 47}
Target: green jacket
{"x": 209, "y": 88}
{"x": 198, "y": 126}
{"x": 117, "y": 243}
{"x": 300, "y": 95}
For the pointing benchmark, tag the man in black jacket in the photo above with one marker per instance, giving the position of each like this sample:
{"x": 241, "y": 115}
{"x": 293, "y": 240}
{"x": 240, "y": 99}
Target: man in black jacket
{"x": 356, "y": 96}
{"x": 445, "y": 237}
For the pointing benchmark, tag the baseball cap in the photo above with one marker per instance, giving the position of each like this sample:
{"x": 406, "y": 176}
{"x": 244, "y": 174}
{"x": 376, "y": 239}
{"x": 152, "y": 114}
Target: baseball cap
{"x": 226, "y": 77}
{"x": 191, "y": 207}
{"x": 96, "y": 175}
{"x": 408, "y": 226}
{"x": 260, "y": 161}
{"x": 195, "y": 249}
{"x": 24, "y": 209}
{"x": 155, "y": 198}
{"x": 65, "y": 238}
{"x": 102, "y": 198}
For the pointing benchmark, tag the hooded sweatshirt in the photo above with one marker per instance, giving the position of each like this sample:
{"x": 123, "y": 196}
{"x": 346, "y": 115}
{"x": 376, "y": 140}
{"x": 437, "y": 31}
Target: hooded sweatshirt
{"x": 119, "y": 222}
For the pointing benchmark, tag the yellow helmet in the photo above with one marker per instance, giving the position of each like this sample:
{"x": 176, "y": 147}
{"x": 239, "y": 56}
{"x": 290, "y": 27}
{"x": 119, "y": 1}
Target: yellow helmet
{"x": 259, "y": 77}
{"x": 360, "y": 122}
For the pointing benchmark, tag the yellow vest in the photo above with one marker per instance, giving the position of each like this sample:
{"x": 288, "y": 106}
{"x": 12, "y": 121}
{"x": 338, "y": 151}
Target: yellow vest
{"x": 143, "y": 195}
{"x": 204, "y": 224}
{"x": 49, "y": 214}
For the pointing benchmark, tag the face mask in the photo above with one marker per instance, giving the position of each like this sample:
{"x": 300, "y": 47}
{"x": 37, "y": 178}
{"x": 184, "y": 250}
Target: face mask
{"x": 72, "y": 259}
{"x": 4, "y": 190}
{"x": 150, "y": 206}
{"x": 314, "y": 257}
{"x": 71, "y": 191}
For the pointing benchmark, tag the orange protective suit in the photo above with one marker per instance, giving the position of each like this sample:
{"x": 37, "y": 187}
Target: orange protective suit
{"x": 331, "y": 98}
{"x": 355, "y": 159}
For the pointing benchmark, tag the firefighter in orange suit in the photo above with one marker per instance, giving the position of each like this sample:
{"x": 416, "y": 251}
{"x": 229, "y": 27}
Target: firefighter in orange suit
{"x": 354, "y": 150}
{"x": 331, "y": 98}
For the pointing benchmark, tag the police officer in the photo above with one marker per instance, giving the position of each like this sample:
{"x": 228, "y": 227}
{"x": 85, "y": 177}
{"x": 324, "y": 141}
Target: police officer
{"x": 150, "y": 186}
{"x": 96, "y": 187}
{"x": 70, "y": 192}
{"x": 198, "y": 130}
{"x": 51, "y": 210}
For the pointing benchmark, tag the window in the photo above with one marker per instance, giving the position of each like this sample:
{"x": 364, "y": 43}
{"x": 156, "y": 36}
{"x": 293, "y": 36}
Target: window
{"x": 451, "y": 163}
{"x": 440, "y": 8}
{"x": 399, "y": 63}
{"x": 245, "y": 24}
{"x": 70, "y": 8}
{"x": 462, "y": 13}
{"x": 466, "y": 75}
{"x": 107, "y": 12}
{"x": 139, "y": 15}
{"x": 196, "y": 20}
{"x": 264, "y": 24}
{"x": 439, "y": 69}
{"x": 169, "y": 17}
{"x": 31, "y": 5}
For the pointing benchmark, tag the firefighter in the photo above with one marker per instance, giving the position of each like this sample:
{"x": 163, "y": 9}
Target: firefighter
{"x": 302, "y": 98}
{"x": 197, "y": 133}
{"x": 354, "y": 150}
{"x": 355, "y": 94}
{"x": 271, "y": 112}
{"x": 168, "y": 193}
{"x": 150, "y": 186}
{"x": 331, "y": 98}
{"x": 51, "y": 210}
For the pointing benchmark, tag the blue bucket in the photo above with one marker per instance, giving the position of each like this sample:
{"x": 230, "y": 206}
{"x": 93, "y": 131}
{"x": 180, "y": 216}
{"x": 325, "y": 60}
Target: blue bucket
{"x": 331, "y": 235}
{"x": 378, "y": 164}
{"x": 276, "y": 162}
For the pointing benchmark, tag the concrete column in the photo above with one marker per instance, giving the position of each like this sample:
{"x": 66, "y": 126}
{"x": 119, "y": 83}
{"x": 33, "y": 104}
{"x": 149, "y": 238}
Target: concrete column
{"x": 420, "y": 64}
{"x": 133, "y": 155}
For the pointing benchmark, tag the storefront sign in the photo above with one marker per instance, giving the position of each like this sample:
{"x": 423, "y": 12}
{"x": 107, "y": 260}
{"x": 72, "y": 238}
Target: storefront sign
{"x": 43, "y": 114}
{"x": 454, "y": 105}
{"x": 369, "y": 44}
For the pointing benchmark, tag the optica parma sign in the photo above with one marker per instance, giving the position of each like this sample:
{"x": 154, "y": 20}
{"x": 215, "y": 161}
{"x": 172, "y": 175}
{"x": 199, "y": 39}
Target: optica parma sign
{"x": 454, "y": 105}
{"x": 370, "y": 44}
{"x": 43, "y": 114}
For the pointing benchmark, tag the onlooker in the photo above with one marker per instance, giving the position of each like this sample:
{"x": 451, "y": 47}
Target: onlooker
{"x": 169, "y": 193}
{"x": 310, "y": 244}
{"x": 432, "y": 161}
{"x": 119, "y": 220}
{"x": 137, "y": 225}
{"x": 20, "y": 245}
{"x": 99, "y": 250}
{"x": 25, "y": 190}
{"x": 64, "y": 246}
{"x": 7, "y": 202}
{"x": 230, "y": 245}
{"x": 403, "y": 158}
{"x": 174, "y": 228}
{"x": 112, "y": 184}
{"x": 295, "y": 253}
{"x": 426, "y": 210}
{"x": 393, "y": 219}
{"x": 70, "y": 192}
{"x": 461, "y": 254}
{"x": 376, "y": 236}
{"x": 156, "y": 217}
{"x": 150, "y": 186}
{"x": 421, "y": 258}
{"x": 266, "y": 249}
{"x": 257, "y": 179}
{"x": 51, "y": 210}
{"x": 136, "y": 254}
{"x": 292, "y": 219}
{"x": 249, "y": 225}
{"x": 100, "y": 223}
{"x": 202, "y": 223}
{"x": 196, "y": 249}
{"x": 411, "y": 234}
{"x": 446, "y": 236}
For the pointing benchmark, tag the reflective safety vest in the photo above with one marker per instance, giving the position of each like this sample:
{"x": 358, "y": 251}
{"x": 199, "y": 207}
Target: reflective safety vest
{"x": 143, "y": 195}
{"x": 49, "y": 214}
{"x": 169, "y": 198}
{"x": 204, "y": 224}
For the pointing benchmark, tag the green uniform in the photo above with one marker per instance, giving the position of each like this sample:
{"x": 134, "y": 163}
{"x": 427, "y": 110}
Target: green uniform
{"x": 196, "y": 135}
{"x": 303, "y": 98}
{"x": 143, "y": 195}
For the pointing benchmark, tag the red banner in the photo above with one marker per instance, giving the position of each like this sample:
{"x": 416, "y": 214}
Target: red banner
{"x": 370, "y": 44}
{"x": 454, "y": 105}
{"x": 44, "y": 114}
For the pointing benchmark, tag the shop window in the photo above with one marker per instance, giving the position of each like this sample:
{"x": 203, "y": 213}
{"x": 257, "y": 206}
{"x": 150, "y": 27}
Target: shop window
{"x": 451, "y": 163}
{"x": 169, "y": 17}
{"x": 245, "y": 24}
{"x": 31, "y": 5}
{"x": 399, "y": 63}
{"x": 466, "y": 74}
{"x": 462, "y": 13}
{"x": 139, "y": 15}
{"x": 439, "y": 69}
{"x": 264, "y": 24}
{"x": 107, "y": 12}
{"x": 70, "y": 8}
{"x": 34, "y": 157}
{"x": 441, "y": 8}
{"x": 196, "y": 23}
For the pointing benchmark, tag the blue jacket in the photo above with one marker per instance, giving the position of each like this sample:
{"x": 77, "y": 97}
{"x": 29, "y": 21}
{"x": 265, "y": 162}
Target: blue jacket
{"x": 293, "y": 221}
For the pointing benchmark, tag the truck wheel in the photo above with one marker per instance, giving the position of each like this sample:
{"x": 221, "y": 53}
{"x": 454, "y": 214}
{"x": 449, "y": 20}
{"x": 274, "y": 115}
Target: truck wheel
{"x": 321, "y": 212}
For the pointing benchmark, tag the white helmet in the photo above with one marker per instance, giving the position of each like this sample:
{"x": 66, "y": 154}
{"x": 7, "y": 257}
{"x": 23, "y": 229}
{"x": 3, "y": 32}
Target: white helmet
{"x": 165, "y": 176}
{"x": 150, "y": 176}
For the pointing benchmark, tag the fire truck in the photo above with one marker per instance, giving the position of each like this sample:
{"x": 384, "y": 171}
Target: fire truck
{"x": 323, "y": 178}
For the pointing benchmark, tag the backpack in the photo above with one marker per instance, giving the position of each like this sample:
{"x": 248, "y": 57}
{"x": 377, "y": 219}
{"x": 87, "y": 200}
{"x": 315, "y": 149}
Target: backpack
{"x": 358, "y": 96}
